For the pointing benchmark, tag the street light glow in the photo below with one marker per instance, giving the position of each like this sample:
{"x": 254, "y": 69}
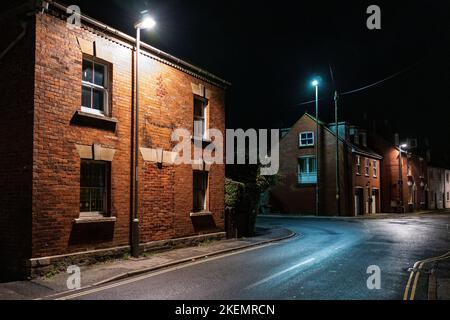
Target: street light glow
{"x": 315, "y": 83}
{"x": 403, "y": 146}
{"x": 146, "y": 23}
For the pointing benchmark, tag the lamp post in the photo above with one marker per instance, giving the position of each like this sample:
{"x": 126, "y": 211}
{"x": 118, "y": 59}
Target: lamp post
{"x": 338, "y": 183}
{"x": 400, "y": 176}
{"x": 315, "y": 83}
{"x": 145, "y": 23}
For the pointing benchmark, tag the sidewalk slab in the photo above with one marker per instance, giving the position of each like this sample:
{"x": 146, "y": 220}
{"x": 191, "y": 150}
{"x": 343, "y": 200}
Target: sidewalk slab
{"x": 118, "y": 269}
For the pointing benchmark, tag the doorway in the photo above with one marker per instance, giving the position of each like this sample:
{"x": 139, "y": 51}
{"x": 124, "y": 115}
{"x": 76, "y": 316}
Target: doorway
{"x": 359, "y": 201}
{"x": 375, "y": 199}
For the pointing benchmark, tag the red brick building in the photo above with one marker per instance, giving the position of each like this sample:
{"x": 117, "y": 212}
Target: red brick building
{"x": 405, "y": 192}
{"x": 66, "y": 134}
{"x": 359, "y": 175}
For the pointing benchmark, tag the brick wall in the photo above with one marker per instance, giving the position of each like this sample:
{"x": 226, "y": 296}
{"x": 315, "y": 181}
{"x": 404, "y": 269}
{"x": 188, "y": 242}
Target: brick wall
{"x": 289, "y": 196}
{"x": 16, "y": 137}
{"x": 165, "y": 192}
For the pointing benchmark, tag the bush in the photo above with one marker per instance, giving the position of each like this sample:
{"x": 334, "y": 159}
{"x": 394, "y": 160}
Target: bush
{"x": 242, "y": 193}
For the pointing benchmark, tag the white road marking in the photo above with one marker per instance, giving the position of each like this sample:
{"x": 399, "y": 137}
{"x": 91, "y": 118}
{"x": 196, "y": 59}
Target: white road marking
{"x": 280, "y": 273}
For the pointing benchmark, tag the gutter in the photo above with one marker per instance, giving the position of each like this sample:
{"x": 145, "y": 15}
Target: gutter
{"x": 171, "y": 59}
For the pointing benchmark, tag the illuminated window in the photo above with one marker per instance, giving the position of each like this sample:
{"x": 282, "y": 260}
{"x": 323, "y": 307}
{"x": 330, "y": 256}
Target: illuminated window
{"x": 307, "y": 170}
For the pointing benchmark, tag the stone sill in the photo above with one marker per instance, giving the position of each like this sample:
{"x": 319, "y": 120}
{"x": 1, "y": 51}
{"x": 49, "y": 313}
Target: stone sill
{"x": 204, "y": 141}
{"x": 86, "y": 220}
{"x": 96, "y": 121}
{"x": 201, "y": 214}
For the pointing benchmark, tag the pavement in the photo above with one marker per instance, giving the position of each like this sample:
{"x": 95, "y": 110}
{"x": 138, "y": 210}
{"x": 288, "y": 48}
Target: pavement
{"x": 103, "y": 273}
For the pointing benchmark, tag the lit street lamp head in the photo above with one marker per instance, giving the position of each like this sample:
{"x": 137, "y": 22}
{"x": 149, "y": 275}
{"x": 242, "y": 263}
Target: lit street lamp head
{"x": 146, "y": 23}
{"x": 315, "y": 83}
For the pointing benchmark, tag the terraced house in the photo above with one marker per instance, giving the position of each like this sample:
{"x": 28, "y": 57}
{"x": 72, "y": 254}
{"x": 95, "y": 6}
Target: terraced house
{"x": 67, "y": 175}
{"x": 358, "y": 174}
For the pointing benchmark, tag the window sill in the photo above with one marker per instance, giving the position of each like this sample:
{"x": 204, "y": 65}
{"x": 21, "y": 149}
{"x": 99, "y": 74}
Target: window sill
{"x": 201, "y": 214}
{"x": 94, "y": 121}
{"x": 94, "y": 219}
{"x": 203, "y": 140}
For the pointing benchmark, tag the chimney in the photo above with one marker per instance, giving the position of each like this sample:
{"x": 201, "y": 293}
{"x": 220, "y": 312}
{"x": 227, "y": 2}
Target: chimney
{"x": 363, "y": 139}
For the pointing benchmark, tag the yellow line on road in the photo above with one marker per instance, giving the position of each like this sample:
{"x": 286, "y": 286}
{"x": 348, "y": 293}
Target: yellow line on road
{"x": 415, "y": 273}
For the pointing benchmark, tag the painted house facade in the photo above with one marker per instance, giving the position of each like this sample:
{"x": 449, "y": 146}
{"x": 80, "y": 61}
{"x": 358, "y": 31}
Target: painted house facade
{"x": 67, "y": 128}
{"x": 438, "y": 188}
{"x": 359, "y": 171}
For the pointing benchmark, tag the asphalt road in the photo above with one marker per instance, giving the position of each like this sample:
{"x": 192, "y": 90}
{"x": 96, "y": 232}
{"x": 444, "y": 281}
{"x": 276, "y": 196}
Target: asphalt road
{"x": 328, "y": 260}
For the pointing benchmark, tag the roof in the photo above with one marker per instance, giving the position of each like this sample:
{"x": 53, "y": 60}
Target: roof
{"x": 160, "y": 55}
{"x": 352, "y": 147}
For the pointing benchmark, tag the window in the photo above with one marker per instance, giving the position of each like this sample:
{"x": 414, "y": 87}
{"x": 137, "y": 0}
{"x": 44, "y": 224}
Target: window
{"x": 358, "y": 165}
{"x": 447, "y": 177}
{"x": 306, "y": 139}
{"x": 307, "y": 170}
{"x": 448, "y": 196}
{"x": 95, "y": 87}
{"x": 94, "y": 181}
{"x": 375, "y": 169}
{"x": 200, "y": 187}
{"x": 200, "y": 105}
{"x": 367, "y": 168}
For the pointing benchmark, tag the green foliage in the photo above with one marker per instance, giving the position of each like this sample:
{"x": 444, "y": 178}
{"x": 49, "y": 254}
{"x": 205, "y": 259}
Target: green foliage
{"x": 233, "y": 192}
{"x": 243, "y": 189}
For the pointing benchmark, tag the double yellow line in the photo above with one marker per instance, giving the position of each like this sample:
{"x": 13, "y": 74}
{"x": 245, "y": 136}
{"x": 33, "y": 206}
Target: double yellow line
{"x": 411, "y": 287}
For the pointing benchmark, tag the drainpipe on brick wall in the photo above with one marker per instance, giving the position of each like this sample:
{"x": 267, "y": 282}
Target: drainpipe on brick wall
{"x": 17, "y": 40}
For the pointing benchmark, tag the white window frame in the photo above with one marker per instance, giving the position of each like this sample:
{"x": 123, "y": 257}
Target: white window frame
{"x": 106, "y": 192}
{"x": 203, "y": 120}
{"x": 358, "y": 165}
{"x": 308, "y": 177}
{"x": 301, "y": 144}
{"x": 105, "y": 89}
{"x": 367, "y": 167}
{"x": 375, "y": 168}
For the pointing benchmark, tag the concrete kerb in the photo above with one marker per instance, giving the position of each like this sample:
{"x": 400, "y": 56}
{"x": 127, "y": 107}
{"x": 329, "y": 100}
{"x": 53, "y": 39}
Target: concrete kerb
{"x": 176, "y": 262}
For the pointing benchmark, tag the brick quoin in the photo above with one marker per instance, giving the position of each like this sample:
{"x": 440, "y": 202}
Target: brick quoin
{"x": 40, "y": 164}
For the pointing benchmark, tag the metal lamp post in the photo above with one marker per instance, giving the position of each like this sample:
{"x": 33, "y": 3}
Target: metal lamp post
{"x": 315, "y": 83}
{"x": 146, "y": 23}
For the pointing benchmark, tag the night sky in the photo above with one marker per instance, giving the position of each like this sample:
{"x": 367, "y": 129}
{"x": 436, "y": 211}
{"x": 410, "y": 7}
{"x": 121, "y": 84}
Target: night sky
{"x": 271, "y": 50}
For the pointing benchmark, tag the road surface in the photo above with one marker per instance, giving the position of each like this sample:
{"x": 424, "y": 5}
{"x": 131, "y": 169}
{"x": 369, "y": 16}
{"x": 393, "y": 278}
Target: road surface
{"x": 327, "y": 260}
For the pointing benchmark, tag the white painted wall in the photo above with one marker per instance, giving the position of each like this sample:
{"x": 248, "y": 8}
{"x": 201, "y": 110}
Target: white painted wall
{"x": 437, "y": 188}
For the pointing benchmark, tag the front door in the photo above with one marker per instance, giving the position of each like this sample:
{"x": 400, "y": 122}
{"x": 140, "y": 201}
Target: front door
{"x": 374, "y": 201}
{"x": 359, "y": 201}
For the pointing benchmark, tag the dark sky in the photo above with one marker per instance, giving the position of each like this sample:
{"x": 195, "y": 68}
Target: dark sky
{"x": 271, "y": 50}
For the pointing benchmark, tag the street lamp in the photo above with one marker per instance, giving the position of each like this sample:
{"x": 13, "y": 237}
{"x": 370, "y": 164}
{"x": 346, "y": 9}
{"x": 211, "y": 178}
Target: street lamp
{"x": 315, "y": 84}
{"x": 146, "y": 23}
{"x": 400, "y": 175}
